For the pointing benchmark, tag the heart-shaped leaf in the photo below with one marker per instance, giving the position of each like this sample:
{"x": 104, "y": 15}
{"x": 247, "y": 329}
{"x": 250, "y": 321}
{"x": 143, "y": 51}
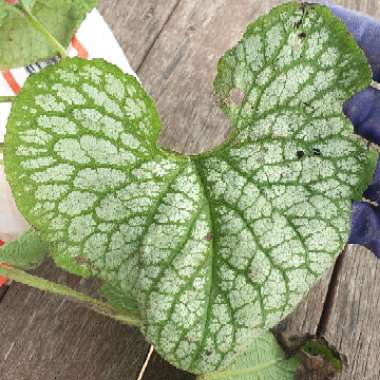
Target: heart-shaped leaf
{"x": 216, "y": 248}
{"x": 21, "y": 44}
{"x": 264, "y": 360}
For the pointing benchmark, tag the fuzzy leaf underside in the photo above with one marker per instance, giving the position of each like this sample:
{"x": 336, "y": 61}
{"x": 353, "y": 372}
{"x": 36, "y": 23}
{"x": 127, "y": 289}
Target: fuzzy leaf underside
{"x": 215, "y": 248}
{"x": 21, "y": 45}
{"x": 26, "y": 252}
{"x": 264, "y": 360}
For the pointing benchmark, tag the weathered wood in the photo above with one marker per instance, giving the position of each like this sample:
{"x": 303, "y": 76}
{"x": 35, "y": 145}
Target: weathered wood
{"x": 352, "y": 325}
{"x": 158, "y": 369}
{"x": 137, "y": 24}
{"x": 47, "y": 337}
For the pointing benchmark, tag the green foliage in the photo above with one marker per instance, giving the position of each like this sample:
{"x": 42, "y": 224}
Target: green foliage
{"x": 27, "y": 252}
{"x": 210, "y": 250}
{"x": 316, "y": 348}
{"x": 263, "y": 360}
{"x": 22, "y": 44}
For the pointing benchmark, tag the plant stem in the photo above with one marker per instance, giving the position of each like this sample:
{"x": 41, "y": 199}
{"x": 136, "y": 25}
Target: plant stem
{"x": 52, "y": 287}
{"x": 39, "y": 27}
{"x": 6, "y": 99}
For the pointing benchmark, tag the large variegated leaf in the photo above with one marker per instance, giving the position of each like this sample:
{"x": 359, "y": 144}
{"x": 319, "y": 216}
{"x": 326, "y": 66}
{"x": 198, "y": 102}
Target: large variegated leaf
{"x": 208, "y": 250}
{"x": 21, "y": 44}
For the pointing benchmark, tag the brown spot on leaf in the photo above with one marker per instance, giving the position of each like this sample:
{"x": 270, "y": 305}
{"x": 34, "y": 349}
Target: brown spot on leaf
{"x": 209, "y": 236}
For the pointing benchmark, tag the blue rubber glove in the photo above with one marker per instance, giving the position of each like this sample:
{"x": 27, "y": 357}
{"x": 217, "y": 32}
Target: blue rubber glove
{"x": 364, "y": 111}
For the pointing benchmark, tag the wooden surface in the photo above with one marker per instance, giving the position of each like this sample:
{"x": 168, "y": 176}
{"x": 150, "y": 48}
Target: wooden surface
{"x": 174, "y": 45}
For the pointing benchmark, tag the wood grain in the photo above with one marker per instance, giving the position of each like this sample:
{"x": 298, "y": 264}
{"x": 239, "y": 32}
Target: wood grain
{"x": 137, "y": 24}
{"x": 47, "y": 337}
{"x": 353, "y": 322}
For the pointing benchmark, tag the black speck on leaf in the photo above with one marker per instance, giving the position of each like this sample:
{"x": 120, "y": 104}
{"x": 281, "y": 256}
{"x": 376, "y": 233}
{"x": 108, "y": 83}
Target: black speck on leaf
{"x": 302, "y": 35}
{"x": 300, "y": 154}
{"x": 317, "y": 152}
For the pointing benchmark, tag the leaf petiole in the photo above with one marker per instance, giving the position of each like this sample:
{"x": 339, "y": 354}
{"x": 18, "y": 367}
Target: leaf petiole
{"x": 54, "y": 288}
{"x": 6, "y": 99}
{"x": 40, "y": 28}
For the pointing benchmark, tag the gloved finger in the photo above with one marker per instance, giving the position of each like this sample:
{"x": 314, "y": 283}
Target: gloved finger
{"x": 373, "y": 191}
{"x": 365, "y": 227}
{"x": 363, "y": 109}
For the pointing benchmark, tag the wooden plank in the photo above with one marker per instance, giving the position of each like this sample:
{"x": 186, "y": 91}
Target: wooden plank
{"x": 352, "y": 325}
{"x": 137, "y": 24}
{"x": 48, "y": 337}
{"x": 159, "y": 369}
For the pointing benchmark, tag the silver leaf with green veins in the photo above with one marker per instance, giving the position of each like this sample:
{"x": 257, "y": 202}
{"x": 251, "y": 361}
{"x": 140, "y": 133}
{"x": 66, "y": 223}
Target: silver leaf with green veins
{"x": 21, "y": 44}
{"x": 213, "y": 249}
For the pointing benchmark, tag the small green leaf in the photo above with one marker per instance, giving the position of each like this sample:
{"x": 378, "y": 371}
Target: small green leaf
{"x": 264, "y": 360}
{"x": 27, "y": 252}
{"x": 217, "y": 248}
{"x": 25, "y": 45}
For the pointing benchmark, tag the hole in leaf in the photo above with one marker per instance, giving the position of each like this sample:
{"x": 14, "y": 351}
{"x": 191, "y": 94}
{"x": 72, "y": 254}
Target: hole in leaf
{"x": 317, "y": 152}
{"x": 236, "y": 96}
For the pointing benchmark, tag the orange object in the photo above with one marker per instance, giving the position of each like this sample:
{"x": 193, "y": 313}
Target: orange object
{"x": 77, "y": 45}
{"x": 12, "y": 83}
{"x": 3, "y": 280}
